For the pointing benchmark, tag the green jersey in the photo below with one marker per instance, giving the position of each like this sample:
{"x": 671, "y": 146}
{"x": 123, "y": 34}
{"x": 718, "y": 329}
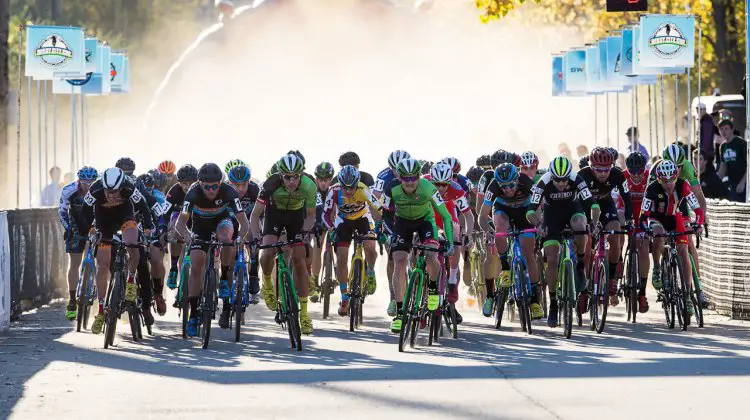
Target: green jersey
{"x": 421, "y": 204}
{"x": 274, "y": 193}
{"x": 687, "y": 173}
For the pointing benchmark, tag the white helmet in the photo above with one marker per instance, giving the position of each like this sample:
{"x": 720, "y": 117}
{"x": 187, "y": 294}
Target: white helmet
{"x": 395, "y": 157}
{"x": 112, "y": 178}
{"x": 441, "y": 172}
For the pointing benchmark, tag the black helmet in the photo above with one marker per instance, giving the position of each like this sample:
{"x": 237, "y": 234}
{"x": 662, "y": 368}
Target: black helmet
{"x": 484, "y": 161}
{"x": 584, "y": 162}
{"x": 426, "y": 166}
{"x": 147, "y": 180}
{"x": 210, "y": 172}
{"x": 636, "y": 161}
{"x": 474, "y": 173}
{"x": 298, "y": 154}
{"x": 500, "y": 157}
{"x": 324, "y": 170}
{"x": 126, "y": 164}
{"x": 187, "y": 173}
{"x": 349, "y": 158}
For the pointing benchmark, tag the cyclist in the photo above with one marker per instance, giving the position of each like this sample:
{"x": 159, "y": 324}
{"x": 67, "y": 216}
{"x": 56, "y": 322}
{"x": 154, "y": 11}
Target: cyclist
{"x": 155, "y": 251}
{"x": 248, "y": 191}
{"x": 583, "y": 162}
{"x": 385, "y": 177}
{"x": 288, "y": 201}
{"x": 530, "y": 166}
{"x": 186, "y": 176}
{"x": 637, "y": 176}
{"x": 413, "y": 200}
{"x": 661, "y": 209}
{"x": 484, "y": 162}
{"x": 113, "y": 199}
{"x": 426, "y": 166}
{"x": 508, "y": 197}
{"x": 213, "y": 207}
{"x": 455, "y": 165}
{"x": 565, "y": 194}
{"x": 232, "y": 163}
{"x": 467, "y": 187}
{"x": 323, "y": 176}
{"x": 351, "y": 158}
{"x": 167, "y": 168}
{"x": 347, "y": 210}
{"x": 457, "y": 204}
{"x": 76, "y": 222}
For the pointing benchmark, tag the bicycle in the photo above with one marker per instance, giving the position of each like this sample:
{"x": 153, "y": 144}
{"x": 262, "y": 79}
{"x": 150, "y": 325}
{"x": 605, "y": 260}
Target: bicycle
{"x": 328, "y": 285}
{"x": 115, "y": 304}
{"x": 240, "y": 297}
{"x": 86, "y": 291}
{"x": 476, "y": 258}
{"x": 287, "y": 302}
{"x": 520, "y": 279}
{"x": 632, "y": 283}
{"x": 356, "y": 275}
{"x": 415, "y": 298}
{"x": 540, "y": 262}
{"x": 209, "y": 299}
{"x": 567, "y": 297}
{"x": 698, "y": 304}
{"x": 599, "y": 285}
{"x": 446, "y": 312}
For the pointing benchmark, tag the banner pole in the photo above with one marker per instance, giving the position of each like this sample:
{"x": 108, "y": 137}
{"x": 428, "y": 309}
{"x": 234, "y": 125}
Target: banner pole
{"x": 676, "y": 110}
{"x": 663, "y": 113}
{"x": 30, "y": 141}
{"x": 39, "y": 137}
{"x": 656, "y": 119}
{"x": 46, "y": 128}
{"x": 54, "y": 129}
{"x": 18, "y": 118}
{"x": 607, "y": 134}
{"x": 747, "y": 92}
{"x": 72, "y": 130}
{"x": 83, "y": 130}
{"x": 617, "y": 121}
{"x": 596, "y": 118}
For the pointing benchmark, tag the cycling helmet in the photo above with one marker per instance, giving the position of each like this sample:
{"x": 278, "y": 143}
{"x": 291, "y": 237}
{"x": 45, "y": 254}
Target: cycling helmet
{"x": 506, "y": 173}
{"x": 349, "y": 158}
{"x": 349, "y": 176}
{"x": 126, "y": 164}
{"x": 484, "y": 161}
{"x": 454, "y": 164}
{"x": 299, "y": 155}
{"x": 167, "y": 167}
{"x": 636, "y": 161}
{"x": 239, "y": 174}
{"x": 615, "y": 154}
{"x": 87, "y": 173}
{"x": 324, "y": 170}
{"x": 160, "y": 179}
{"x": 675, "y": 153}
{"x": 112, "y": 178}
{"x": 667, "y": 171}
{"x": 600, "y": 156}
{"x": 210, "y": 172}
{"x": 147, "y": 180}
{"x": 584, "y": 162}
{"x": 273, "y": 171}
{"x": 395, "y": 157}
{"x": 232, "y": 163}
{"x": 290, "y": 164}
{"x": 441, "y": 172}
{"x": 501, "y": 156}
{"x": 187, "y": 173}
{"x": 426, "y": 166}
{"x": 529, "y": 160}
{"x": 408, "y": 166}
{"x": 474, "y": 173}
{"x": 560, "y": 168}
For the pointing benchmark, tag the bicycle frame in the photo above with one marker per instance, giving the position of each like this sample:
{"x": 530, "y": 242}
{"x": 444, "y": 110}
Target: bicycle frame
{"x": 241, "y": 264}
{"x": 522, "y": 286}
{"x": 90, "y": 263}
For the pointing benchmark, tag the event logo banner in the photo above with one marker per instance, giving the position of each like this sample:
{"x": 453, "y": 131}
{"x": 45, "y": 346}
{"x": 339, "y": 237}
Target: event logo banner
{"x": 626, "y": 51}
{"x": 93, "y": 54}
{"x": 557, "y": 75}
{"x": 53, "y": 51}
{"x": 575, "y": 71}
{"x": 667, "y": 41}
{"x": 106, "y": 70}
{"x": 117, "y": 71}
{"x": 639, "y": 68}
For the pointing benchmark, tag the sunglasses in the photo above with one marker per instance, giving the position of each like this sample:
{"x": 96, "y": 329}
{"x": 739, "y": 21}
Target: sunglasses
{"x": 352, "y": 188}
{"x": 508, "y": 186}
{"x": 667, "y": 181}
{"x": 290, "y": 177}
{"x": 238, "y": 184}
{"x": 637, "y": 172}
{"x": 210, "y": 187}
{"x": 88, "y": 182}
{"x": 409, "y": 178}
{"x": 601, "y": 169}
{"x": 441, "y": 184}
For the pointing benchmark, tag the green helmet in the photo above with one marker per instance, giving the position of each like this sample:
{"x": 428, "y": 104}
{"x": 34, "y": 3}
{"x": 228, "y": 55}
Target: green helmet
{"x": 274, "y": 170}
{"x": 560, "y": 168}
{"x": 324, "y": 170}
{"x": 675, "y": 153}
{"x": 290, "y": 164}
{"x": 232, "y": 163}
{"x": 408, "y": 167}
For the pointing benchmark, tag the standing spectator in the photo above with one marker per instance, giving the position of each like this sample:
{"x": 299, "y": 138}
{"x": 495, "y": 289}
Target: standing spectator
{"x": 51, "y": 193}
{"x": 710, "y": 181}
{"x": 633, "y": 143}
{"x": 706, "y": 130}
{"x": 734, "y": 161}
{"x": 582, "y": 151}
{"x": 67, "y": 178}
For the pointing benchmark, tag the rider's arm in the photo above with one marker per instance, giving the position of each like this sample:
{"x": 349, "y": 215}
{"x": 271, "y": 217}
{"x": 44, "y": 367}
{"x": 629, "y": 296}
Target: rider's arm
{"x": 64, "y": 208}
{"x": 260, "y": 207}
{"x": 465, "y": 214}
{"x": 439, "y": 205}
{"x": 622, "y": 186}
{"x": 329, "y": 208}
{"x": 692, "y": 201}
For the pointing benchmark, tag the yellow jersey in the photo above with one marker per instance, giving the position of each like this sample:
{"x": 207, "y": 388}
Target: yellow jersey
{"x": 348, "y": 208}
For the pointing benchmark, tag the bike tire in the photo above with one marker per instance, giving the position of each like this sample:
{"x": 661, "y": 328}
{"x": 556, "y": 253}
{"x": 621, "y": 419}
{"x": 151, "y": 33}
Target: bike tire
{"x": 681, "y": 297}
{"x": 604, "y": 274}
{"x": 667, "y": 299}
{"x": 434, "y": 329}
{"x": 501, "y": 297}
{"x": 354, "y": 294}
{"x": 634, "y": 283}
{"x": 208, "y": 306}
{"x": 239, "y": 302}
{"x": 134, "y": 321}
{"x": 542, "y": 285}
{"x": 406, "y": 314}
{"x": 420, "y": 313}
{"x": 185, "y": 298}
{"x": 292, "y": 312}
{"x": 327, "y": 282}
{"x": 114, "y": 296}
{"x": 698, "y": 310}
{"x": 568, "y": 298}
{"x": 83, "y": 300}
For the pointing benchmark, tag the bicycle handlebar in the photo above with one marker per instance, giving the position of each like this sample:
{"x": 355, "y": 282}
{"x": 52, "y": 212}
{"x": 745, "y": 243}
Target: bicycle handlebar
{"x": 515, "y": 233}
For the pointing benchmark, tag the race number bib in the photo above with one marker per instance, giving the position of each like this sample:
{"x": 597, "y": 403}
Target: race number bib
{"x": 488, "y": 197}
{"x": 692, "y": 201}
{"x": 379, "y": 185}
{"x": 136, "y": 197}
{"x": 237, "y": 205}
{"x": 536, "y": 198}
{"x": 462, "y": 204}
{"x": 585, "y": 193}
{"x": 625, "y": 188}
{"x": 437, "y": 198}
{"x": 186, "y": 207}
{"x": 646, "y": 205}
{"x": 89, "y": 199}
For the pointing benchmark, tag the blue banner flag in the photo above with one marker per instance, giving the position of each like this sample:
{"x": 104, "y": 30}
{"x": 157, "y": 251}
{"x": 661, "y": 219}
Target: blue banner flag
{"x": 575, "y": 71}
{"x": 117, "y": 71}
{"x": 667, "y": 41}
{"x": 592, "y": 69}
{"x": 53, "y": 51}
{"x": 106, "y": 70}
{"x": 639, "y": 68}
{"x": 603, "y": 63}
{"x": 615, "y": 76}
{"x": 626, "y": 51}
{"x": 557, "y": 75}
{"x": 93, "y": 54}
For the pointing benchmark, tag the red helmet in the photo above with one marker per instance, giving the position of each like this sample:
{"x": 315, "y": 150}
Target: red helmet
{"x": 167, "y": 167}
{"x": 601, "y": 157}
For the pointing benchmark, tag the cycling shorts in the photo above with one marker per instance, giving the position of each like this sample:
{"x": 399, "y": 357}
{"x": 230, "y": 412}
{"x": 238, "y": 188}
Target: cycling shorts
{"x": 404, "y": 230}
{"x": 110, "y": 220}
{"x": 345, "y": 230}
{"x": 204, "y": 228}
{"x": 516, "y": 215}
{"x": 608, "y": 211}
{"x": 674, "y": 223}
{"x": 557, "y": 219}
{"x": 276, "y": 220}
{"x": 75, "y": 244}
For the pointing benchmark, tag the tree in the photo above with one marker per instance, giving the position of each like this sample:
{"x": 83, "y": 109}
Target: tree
{"x": 722, "y": 22}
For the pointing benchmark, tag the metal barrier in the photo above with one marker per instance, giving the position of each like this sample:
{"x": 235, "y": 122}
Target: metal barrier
{"x": 725, "y": 258}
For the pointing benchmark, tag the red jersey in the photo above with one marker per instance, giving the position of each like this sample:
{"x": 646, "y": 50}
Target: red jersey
{"x": 455, "y": 200}
{"x": 637, "y": 191}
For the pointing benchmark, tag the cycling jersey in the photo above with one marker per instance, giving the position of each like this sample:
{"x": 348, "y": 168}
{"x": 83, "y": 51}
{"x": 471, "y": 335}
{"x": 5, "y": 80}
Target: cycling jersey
{"x": 576, "y": 191}
{"x": 72, "y": 210}
{"x": 320, "y": 198}
{"x": 658, "y": 203}
{"x": 208, "y": 215}
{"x": 456, "y": 200}
{"x": 514, "y": 206}
{"x": 275, "y": 195}
{"x": 464, "y": 182}
{"x": 637, "y": 191}
{"x": 484, "y": 182}
{"x": 112, "y": 215}
{"x": 348, "y": 208}
{"x": 416, "y": 206}
{"x": 601, "y": 191}
{"x": 384, "y": 178}
{"x": 687, "y": 172}
{"x": 175, "y": 198}
{"x": 366, "y": 179}
{"x": 250, "y": 197}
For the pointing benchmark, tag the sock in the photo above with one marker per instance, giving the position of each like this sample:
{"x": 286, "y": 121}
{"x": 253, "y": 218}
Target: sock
{"x": 224, "y": 272}
{"x": 370, "y": 272}
{"x": 552, "y": 298}
{"x": 580, "y": 261}
{"x": 267, "y": 281}
{"x": 535, "y": 298}
{"x": 303, "y": 306}
{"x": 391, "y": 290}
{"x": 642, "y": 288}
{"x": 490, "y": 285}
{"x": 131, "y": 278}
{"x": 453, "y": 279}
{"x": 344, "y": 291}
{"x": 101, "y": 306}
{"x": 72, "y": 294}
{"x": 612, "y": 270}
{"x": 253, "y": 269}
{"x": 225, "y": 306}
{"x": 175, "y": 260}
{"x": 158, "y": 285}
{"x": 399, "y": 305}
{"x": 193, "y": 307}
{"x": 451, "y": 288}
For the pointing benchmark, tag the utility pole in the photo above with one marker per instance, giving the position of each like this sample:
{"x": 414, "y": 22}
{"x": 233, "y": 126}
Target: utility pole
{"x": 56, "y": 10}
{"x": 4, "y": 82}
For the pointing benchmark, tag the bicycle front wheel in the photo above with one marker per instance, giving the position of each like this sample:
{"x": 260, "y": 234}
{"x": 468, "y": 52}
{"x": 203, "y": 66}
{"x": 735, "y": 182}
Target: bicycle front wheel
{"x": 634, "y": 284}
{"x": 568, "y": 298}
{"x": 406, "y": 317}
{"x": 601, "y": 299}
{"x": 112, "y": 311}
{"x": 354, "y": 295}
{"x": 207, "y": 306}
{"x": 327, "y": 288}
{"x": 292, "y": 312}
{"x": 681, "y": 297}
{"x": 83, "y": 298}
{"x": 184, "y": 298}
{"x": 667, "y": 298}
{"x": 239, "y": 301}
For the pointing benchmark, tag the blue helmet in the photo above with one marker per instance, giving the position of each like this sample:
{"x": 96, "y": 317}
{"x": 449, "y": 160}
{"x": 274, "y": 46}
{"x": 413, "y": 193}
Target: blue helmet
{"x": 349, "y": 176}
{"x": 87, "y": 173}
{"x": 506, "y": 172}
{"x": 239, "y": 174}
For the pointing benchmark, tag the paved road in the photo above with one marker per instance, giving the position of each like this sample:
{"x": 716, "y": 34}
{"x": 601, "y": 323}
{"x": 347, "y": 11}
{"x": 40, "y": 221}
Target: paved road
{"x": 46, "y": 370}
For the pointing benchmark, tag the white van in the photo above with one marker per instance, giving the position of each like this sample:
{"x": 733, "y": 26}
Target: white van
{"x": 733, "y": 103}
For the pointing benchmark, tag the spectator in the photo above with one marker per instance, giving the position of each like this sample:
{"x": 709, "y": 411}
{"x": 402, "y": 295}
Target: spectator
{"x": 734, "y": 161}
{"x": 582, "y": 150}
{"x": 633, "y": 143}
{"x": 706, "y": 130}
{"x": 564, "y": 150}
{"x": 51, "y": 193}
{"x": 710, "y": 181}
{"x": 68, "y": 178}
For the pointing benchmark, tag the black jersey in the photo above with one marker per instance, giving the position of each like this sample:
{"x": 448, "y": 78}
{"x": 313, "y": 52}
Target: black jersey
{"x": 521, "y": 198}
{"x": 602, "y": 191}
{"x": 128, "y": 195}
{"x": 577, "y": 189}
{"x": 175, "y": 198}
{"x": 484, "y": 181}
{"x": 250, "y": 197}
{"x": 226, "y": 204}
